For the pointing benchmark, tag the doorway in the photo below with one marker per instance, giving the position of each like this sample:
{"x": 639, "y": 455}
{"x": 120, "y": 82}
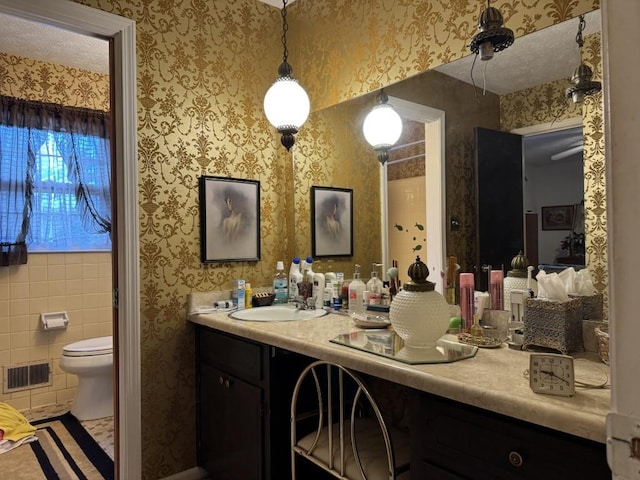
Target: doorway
{"x": 433, "y": 120}
{"x": 120, "y": 32}
{"x": 554, "y": 176}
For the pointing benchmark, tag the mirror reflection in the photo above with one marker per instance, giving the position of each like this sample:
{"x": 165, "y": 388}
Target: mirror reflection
{"x": 518, "y": 92}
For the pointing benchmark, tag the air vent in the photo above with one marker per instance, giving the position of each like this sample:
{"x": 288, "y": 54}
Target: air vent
{"x": 25, "y": 376}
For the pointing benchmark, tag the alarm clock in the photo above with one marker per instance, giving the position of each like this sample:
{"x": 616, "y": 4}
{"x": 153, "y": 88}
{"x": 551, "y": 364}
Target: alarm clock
{"x": 552, "y": 374}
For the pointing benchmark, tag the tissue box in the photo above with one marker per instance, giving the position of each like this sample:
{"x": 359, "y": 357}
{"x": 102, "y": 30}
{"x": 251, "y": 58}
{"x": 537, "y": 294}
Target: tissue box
{"x": 550, "y": 324}
{"x": 592, "y": 306}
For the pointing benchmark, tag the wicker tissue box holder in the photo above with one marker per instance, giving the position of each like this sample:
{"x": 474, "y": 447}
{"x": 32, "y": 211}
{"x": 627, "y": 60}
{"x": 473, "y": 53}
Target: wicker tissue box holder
{"x": 592, "y": 306}
{"x": 551, "y": 324}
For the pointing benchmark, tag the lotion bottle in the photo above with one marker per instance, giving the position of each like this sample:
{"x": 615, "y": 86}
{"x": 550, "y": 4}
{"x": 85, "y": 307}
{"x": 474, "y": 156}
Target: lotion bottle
{"x": 356, "y": 292}
{"x": 318, "y": 289}
{"x": 310, "y": 273}
{"x": 295, "y": 277}
{"x": 374, "y": 286}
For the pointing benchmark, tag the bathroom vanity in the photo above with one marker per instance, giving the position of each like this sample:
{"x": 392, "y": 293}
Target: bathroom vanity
{"x": 471, "y": 419}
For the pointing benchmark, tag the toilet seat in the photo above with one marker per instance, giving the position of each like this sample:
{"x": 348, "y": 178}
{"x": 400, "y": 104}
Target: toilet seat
{"x": 89, "y": 348}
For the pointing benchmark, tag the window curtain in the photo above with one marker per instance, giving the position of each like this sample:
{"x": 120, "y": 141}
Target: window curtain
{"x": 81, "y": 137}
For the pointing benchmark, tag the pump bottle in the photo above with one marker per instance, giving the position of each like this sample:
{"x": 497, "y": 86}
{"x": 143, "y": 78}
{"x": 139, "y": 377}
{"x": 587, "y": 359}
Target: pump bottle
{"x": 356, "y": 292}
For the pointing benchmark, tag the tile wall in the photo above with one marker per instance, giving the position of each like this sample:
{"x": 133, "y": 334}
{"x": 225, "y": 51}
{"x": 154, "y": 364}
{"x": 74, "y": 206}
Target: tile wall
{"x": 78, "y": 283}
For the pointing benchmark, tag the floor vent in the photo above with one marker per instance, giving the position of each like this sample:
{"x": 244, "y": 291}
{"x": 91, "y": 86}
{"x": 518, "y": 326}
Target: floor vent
{"x": 25, "y": 376}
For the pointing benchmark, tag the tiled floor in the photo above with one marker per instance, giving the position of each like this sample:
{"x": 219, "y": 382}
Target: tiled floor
{"x": 101, "y": 429}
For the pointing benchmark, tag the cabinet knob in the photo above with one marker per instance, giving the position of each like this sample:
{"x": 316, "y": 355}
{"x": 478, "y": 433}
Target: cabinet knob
{"x": 226, "y": 383}
{"x": 220, "y": 380}
{"x": 516, "y": 459}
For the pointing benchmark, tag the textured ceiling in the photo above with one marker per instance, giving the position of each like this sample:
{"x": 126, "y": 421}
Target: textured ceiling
{"x": 544, "y": 56}
{"x": 43, "y": 42}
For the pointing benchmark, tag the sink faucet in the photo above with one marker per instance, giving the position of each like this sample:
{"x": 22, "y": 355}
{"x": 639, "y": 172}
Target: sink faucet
{"x": 304, "y": 304}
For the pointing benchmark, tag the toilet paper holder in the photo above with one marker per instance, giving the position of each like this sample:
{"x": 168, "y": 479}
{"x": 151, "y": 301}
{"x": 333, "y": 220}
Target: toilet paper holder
{"x": 54, "y": 320}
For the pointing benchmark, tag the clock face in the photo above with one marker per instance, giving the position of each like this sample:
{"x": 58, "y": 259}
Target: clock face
{"x": 552, "y": 374}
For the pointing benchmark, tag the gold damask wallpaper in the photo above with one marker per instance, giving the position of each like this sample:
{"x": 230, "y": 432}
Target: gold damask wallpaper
{"x": 547, "y": 103}
{"x": 202, "y": 70}
{"x": 46, "y": 82}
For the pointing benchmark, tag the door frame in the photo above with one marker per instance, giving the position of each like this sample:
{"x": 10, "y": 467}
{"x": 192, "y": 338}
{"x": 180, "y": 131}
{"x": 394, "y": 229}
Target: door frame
{"x": 434, "y": 158}
{"x": 120, "y": 31}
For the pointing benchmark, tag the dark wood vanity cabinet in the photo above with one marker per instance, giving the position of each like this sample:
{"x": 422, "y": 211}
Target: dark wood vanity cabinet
{"x": 244, "y": 393}
{"x": 453, "y": 441}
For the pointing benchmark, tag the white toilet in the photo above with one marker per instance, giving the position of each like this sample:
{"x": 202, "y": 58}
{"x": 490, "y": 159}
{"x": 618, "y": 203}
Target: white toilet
{"x": 92, "y": 361}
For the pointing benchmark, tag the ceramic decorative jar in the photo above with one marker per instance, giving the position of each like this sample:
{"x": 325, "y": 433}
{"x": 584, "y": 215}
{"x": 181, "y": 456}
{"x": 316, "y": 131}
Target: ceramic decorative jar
{"x": 419, "y": 314}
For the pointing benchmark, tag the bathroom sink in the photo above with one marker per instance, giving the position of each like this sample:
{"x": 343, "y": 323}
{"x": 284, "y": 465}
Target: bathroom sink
{"x": 276, "y": 313}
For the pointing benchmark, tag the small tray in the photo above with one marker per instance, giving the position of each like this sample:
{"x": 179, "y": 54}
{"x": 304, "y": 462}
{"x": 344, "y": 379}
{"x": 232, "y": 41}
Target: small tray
{"x": 481, "y": 342}
{"x": 363, "y": 320}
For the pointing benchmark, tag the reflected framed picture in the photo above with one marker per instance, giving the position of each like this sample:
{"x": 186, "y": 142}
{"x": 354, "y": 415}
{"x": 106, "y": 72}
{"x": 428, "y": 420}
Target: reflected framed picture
{"x": 558, "y": 217}
{"x": 229, "y": 219}
{"x": 331, "y": 222}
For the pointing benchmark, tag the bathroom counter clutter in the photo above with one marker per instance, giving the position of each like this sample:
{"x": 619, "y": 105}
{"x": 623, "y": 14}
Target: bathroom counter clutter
{"x": 494, "y": 379}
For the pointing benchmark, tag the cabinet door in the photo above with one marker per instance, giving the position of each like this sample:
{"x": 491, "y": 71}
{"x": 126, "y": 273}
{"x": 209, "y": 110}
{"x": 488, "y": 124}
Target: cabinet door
{"x": 231, "y": 426}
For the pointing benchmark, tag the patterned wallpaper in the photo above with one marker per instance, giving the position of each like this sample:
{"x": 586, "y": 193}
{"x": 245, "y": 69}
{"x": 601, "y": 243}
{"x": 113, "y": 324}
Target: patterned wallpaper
{"x": 330, "y": 154}
{"x": 46, "y": 82}
{"x": 202, "y": 70}
{"x": 547, "y": 103}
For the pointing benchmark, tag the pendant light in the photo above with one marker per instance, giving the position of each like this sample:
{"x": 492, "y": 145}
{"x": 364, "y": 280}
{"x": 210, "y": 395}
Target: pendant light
{"x": 382, "y": 127}
{"x": 286, "y": 104}
{"x": 492, "y": 36}
{"x": 581, "y": 78}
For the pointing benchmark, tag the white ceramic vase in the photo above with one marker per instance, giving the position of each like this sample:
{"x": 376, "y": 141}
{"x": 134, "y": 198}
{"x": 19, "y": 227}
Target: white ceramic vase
{"x": 419, "y": 314}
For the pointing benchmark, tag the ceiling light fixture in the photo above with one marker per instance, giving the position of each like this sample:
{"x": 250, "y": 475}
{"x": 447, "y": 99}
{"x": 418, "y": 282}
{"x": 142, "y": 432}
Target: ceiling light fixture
{"x": 382, "y": 127}
{"x": 286, "y": 104}
{"x": 581, "y": 78}
{"x": 492, "y": 37}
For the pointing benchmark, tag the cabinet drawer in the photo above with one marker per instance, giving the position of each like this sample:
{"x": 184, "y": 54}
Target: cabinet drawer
{"x": 478, "y": 444}
{"x": 231, "y": 354}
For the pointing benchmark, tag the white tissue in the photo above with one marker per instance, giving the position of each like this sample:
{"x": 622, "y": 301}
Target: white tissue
{"x": 558, "y": 286}
{"x": 551, "y": 287}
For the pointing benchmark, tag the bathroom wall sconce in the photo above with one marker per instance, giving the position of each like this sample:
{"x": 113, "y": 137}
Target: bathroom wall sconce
{"x": 492, "y": 36}
{"x": 581, "y": 78}
{"x": 286, "y": 104}
{"x": 382, "y": 127}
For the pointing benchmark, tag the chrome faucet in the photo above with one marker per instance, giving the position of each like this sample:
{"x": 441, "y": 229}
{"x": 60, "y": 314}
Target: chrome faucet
{"x": 304, "y": 304}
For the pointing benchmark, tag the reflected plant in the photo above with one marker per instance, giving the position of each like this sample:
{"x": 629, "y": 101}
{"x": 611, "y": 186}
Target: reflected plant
{"x": 417, "y": 226}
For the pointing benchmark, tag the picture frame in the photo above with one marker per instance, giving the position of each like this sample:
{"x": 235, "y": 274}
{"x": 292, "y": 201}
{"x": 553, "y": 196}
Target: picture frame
{"x": 331, "y": 222}
{"x": 229, "y": 219}
{"x": 558, "y": 217}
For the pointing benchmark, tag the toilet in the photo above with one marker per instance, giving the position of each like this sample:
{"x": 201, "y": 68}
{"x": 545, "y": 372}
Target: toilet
{"x": 92, "y": 361}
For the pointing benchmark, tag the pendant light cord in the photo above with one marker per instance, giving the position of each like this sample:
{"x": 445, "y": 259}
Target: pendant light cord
{"x": 581, "y": 26}
{"x": 285, "y": 27}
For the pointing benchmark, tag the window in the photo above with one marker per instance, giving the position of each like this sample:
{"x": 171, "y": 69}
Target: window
{"x": 56, "y": 224}
{"x": 55, "y": 177}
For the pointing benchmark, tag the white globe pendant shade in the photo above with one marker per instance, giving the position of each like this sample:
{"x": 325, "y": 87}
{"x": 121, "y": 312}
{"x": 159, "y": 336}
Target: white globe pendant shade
{"x": 286, "y": 104}
{"x": 382, "y": 127}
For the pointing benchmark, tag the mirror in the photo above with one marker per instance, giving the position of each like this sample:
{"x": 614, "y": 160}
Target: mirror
{"x": 532, "y": 101}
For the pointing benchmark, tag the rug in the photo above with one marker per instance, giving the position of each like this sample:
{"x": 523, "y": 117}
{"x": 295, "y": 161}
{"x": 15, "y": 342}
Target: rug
{"x": 64, "y": 450}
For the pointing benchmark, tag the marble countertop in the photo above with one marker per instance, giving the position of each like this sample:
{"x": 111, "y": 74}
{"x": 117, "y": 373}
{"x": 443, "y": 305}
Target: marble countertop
{"x": 493, "y": 379}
